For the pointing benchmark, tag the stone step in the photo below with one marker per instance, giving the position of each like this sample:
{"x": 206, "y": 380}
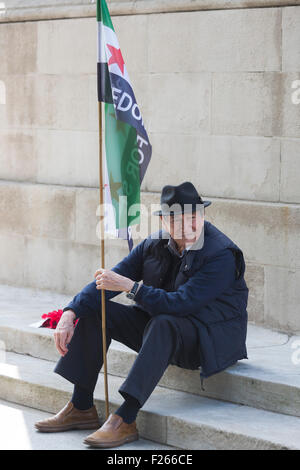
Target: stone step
{"x": 169, "y": 417}
{"x": 17, "y": 432}
{"x": 269, "y": 379}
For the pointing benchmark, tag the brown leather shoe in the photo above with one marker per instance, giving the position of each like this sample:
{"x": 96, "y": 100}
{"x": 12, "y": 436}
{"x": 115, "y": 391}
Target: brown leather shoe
{"x": 70, "y": 418}
{"x": 113, "y": 433}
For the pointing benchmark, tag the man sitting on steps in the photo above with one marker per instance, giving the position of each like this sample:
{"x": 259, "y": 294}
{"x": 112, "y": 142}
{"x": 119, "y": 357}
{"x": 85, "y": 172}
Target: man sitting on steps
{"x": 190, "y": 311}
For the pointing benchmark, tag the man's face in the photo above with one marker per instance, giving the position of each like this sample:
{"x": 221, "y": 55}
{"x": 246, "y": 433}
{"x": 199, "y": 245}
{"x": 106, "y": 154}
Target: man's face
{"x": 185, "y": 228}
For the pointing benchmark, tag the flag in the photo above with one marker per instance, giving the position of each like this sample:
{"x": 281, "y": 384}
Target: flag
{"x": 127, "y": 146}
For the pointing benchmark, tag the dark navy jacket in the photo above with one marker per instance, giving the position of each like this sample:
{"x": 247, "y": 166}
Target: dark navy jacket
{"x": 209, "y": 288}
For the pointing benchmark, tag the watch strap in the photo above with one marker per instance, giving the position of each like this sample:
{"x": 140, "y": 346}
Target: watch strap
{"x": 134, "y": 289}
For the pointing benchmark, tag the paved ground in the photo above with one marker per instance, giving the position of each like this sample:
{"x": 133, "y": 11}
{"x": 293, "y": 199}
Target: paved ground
{"x": 17, "y": 432}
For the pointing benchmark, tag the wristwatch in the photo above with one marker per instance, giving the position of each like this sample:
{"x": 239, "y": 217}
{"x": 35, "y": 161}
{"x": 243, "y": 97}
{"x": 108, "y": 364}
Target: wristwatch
{"x": 132, "y": 293}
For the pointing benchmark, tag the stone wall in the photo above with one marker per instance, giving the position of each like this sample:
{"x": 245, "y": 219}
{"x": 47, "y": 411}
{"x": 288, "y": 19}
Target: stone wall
{"x": 218, "y": 83}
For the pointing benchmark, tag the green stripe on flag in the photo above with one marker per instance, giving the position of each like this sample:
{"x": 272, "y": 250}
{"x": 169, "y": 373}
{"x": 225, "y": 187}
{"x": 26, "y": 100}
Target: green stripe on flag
{"x": 103, "y": 14}
{"x": 122, "y": 159}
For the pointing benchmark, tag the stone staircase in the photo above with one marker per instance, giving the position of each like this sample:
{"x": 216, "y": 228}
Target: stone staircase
{"x": 252, "y": 405}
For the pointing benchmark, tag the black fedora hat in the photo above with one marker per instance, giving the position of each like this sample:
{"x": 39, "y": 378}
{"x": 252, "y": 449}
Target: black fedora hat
{"x": 184, "y": 193}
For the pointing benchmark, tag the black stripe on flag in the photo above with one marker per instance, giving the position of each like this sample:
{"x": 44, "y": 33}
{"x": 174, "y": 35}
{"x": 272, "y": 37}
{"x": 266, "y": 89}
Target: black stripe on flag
{"x": 103, "y": 83}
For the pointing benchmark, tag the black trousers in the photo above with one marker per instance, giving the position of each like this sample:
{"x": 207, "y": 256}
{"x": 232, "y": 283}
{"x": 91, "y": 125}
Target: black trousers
{"x": 159, "y": 341}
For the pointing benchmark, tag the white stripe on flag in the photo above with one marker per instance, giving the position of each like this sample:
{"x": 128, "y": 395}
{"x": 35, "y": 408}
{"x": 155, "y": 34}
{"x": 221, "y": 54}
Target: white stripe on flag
{"x": 108, "y": 36}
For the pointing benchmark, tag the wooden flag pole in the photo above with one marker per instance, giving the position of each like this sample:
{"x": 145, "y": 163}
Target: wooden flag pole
{"x": 101, "y": 186}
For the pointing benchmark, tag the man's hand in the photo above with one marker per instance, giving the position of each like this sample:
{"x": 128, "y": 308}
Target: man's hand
{"x": 106, "y": 279}
{"x": 64, "y": 331}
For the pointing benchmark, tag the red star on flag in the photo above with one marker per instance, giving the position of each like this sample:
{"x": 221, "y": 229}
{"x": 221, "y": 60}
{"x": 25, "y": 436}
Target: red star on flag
{"x": 116, "y": 57}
